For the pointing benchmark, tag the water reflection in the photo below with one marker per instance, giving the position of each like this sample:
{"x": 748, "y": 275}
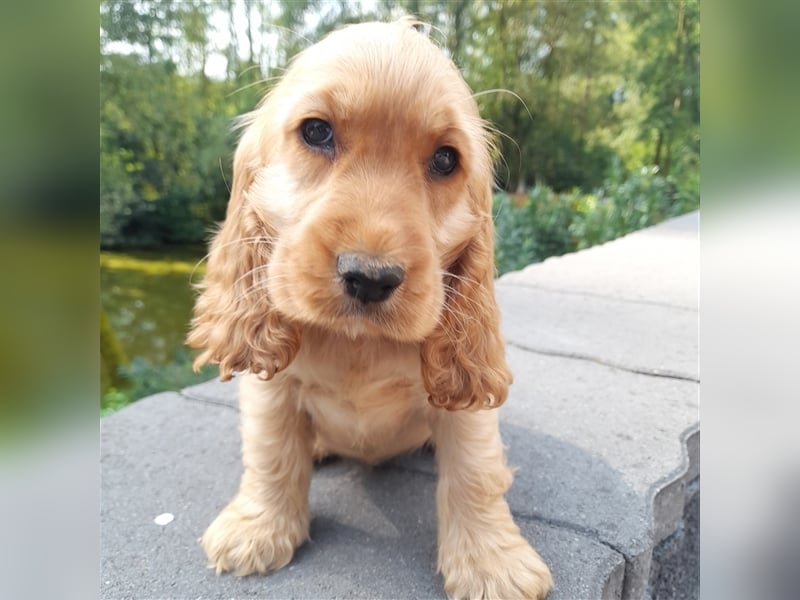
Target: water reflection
{"x": 148, "y": 298}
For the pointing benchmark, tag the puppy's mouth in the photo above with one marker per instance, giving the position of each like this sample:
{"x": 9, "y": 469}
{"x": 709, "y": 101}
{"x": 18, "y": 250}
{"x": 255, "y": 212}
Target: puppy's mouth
{"x": 357, "y": 320}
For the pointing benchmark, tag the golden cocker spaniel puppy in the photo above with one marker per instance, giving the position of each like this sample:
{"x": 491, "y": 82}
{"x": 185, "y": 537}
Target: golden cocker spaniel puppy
{"x": 352, "y": 286}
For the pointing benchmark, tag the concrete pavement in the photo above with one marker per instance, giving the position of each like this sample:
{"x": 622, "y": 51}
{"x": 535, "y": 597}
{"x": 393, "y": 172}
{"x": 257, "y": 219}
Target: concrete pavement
{"x": 602, "y": 422}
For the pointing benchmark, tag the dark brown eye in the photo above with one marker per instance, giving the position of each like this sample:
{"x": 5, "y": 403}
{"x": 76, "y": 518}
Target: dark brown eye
{"x": 444, "y": 161}
{"x": 317, "y": 134}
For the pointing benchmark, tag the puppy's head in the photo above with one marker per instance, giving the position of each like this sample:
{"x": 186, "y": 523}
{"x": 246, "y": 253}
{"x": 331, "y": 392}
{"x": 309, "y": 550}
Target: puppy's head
{"x": 361, "y": 204}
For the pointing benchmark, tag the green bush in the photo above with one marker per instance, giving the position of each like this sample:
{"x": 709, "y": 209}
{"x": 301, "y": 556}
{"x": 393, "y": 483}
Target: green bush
{"x": 532, "y": 231}
{"x": 146, "y": 379}
{"x": 550, "y": 224}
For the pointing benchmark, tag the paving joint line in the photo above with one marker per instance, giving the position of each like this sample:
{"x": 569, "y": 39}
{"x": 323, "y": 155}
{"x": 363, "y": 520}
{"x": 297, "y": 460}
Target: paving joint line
{"x": 680, "y": 307}
{"x": 586, "y": 532}
{"x": 208, "y": 401}
{"x": 606, "y": 363}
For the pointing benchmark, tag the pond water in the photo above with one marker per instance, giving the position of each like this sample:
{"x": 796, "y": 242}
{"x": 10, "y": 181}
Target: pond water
{"x": 148, "y": 298}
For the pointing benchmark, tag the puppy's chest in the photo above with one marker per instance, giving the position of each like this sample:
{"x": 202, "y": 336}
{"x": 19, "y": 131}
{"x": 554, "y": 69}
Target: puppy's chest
{"x": 367, "y": 402}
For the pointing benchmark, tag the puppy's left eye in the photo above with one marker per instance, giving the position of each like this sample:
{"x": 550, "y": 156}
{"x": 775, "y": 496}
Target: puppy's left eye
{"x": 317, "y": 133}
{"x": 444, "y": 161}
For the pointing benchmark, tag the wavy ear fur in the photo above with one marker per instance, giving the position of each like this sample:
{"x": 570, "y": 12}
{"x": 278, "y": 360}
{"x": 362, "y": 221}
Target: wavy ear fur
{"x": 234, "y": 321}
{"x": 463, "y": 360}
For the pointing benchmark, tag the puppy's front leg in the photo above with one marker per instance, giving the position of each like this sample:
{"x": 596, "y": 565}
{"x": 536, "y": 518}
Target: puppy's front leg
{"x": 259, "y": 530}
{"x": 481, "y": 551}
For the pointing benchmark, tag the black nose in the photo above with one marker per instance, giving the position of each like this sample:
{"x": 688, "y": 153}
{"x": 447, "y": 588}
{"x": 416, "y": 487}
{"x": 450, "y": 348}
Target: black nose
{"x": 368, "y": 279}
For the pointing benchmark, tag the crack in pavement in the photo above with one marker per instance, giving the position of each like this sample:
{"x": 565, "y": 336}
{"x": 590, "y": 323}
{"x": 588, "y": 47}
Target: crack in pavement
{"x": 607, "y": 363}
{"x": 500, "y": 283}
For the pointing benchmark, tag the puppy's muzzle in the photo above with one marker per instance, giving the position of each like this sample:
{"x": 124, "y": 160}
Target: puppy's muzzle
{"x": 368, "y": 279}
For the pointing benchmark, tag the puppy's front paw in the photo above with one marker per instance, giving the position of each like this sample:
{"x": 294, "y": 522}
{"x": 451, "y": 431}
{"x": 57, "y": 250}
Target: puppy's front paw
{"x": 497, "y": 569}
{"x": 246, "y": 540}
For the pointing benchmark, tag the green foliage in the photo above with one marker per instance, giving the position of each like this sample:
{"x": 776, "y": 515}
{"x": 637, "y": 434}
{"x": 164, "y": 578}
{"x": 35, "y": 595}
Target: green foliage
{"x": 570, "y": 87}
{"x": 146, "y": 379}
{"x": 162, "y": 147}
{"x": 533, "y": 230}
{"x": 547, "y": 223}
{"x": 668, "y": 64}
{"x": 150, "y": 24}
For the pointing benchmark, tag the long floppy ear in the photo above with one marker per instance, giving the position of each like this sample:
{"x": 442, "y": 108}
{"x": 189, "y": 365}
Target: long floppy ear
{"x": 463, "y": 360}
{"x": 234, "y": 321}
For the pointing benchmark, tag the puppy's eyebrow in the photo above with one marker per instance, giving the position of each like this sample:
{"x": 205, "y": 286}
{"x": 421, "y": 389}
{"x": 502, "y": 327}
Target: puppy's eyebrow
{"x": 297, "y": 115}
{"x": 454, "y": 136}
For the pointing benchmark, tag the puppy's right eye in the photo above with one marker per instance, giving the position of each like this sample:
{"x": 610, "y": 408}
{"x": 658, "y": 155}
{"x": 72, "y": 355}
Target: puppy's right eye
{"x": 317, "y": 134}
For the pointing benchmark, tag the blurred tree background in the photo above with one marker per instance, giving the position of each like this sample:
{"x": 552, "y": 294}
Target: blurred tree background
{"x": 595, "y": 106}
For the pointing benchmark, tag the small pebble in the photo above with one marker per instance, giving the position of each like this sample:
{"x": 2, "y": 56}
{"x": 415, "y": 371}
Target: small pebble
{"x": 164, "y": 518}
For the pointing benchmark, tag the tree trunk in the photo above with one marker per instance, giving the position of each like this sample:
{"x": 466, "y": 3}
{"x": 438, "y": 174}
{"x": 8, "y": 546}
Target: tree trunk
{"x": 521, "y": 186}
{"x": 232, "y": 50}
{"x": 657, "y": 154}
{"x": 203, "y": 76}
{"x": 676, "y": 86}
{"x": 587, "y": 91}
{"x": 249, "y": 13}
{"x": 459, "y": 8}
{"x": 667, "y": 160}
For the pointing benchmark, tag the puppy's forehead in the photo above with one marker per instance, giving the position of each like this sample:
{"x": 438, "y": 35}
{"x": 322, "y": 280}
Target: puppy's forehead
{"x": 380, "y": 71}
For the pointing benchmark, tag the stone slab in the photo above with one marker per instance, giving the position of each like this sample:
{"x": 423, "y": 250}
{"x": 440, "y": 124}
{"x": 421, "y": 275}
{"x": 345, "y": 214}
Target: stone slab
{"x": 660, "y": 265}
{"x": 593, "y": 441}
{"x": 373, "y": 529}
{"x": 639, "y": 336}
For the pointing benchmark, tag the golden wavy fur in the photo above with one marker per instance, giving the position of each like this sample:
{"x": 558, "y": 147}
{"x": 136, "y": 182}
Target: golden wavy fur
{"x": 352, "y": 287}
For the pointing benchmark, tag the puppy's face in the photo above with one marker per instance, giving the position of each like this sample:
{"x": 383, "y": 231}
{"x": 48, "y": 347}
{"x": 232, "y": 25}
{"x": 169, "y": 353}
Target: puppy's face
{"x": 370, "y": 166}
